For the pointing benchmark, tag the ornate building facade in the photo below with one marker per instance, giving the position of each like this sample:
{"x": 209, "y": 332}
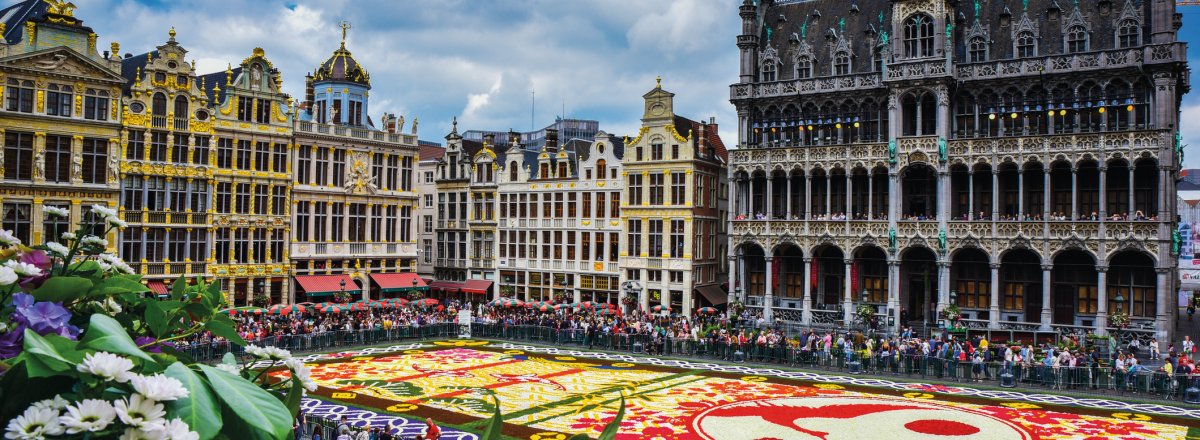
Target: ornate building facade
{"x": 59, "y": 120}
{"x": 673, "y": 210}
{"x": 166, "y": 166}
{"x": 1016, "y": 161}
{"x": 353, "y": 197}
{"x": 465, "y": 228}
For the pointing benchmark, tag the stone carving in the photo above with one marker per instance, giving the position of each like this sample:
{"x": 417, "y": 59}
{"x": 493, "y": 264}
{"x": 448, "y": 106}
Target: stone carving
{"x": 359, "y": 178}
{"x": 51, "y": 64}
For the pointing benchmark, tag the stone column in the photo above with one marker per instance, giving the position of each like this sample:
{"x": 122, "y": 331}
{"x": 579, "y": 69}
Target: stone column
{"x": 769, "y": 295}
{"x": 847, "y": 301}
{"x": 788, "y": 199}
{"x": 1074, "y": 193}
{"x": 733, "y": 278}
{"x": 1129, "y": 210}
{"x": 971, "y": 195}
{"x": 1102, "y": 297}
{"x": 806, "y": 314}
{"x": 1164, "y": 301}
{"x": 267, "y": 291}
{"x": 849, "y": 197}
{"x": 1046, "y": 191}
{"x": 808, "y": 196}
{"x": 1103, "y": 188}
{"x": 943, "y": 299}
{"x": 894, "y": 290}
{"x": 995, "y": 194}
{"x": 828, "y": 195}
{"x": 1020, "y": 193}
{"x": 1047, "y": 313}
{"x": 769, "y": 201}
{"x": 994, "y": 310}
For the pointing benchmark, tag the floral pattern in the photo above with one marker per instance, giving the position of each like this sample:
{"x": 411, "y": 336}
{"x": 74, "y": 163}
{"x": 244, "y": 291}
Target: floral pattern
{"x": 572, "y": 392}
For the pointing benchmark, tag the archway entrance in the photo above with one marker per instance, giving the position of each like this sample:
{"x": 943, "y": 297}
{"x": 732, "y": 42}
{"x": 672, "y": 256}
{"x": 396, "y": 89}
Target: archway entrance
{"x": 829, "y": 262}
{"x": 1073, "y": 283}
{"x": 918, "y": 285}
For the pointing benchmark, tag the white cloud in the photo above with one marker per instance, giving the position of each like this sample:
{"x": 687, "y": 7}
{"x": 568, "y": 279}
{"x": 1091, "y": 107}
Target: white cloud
{"x": 1190, "y": 127}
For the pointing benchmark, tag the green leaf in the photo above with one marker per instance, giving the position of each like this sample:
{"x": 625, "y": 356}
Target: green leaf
{"x": 106, "y": 334}
{"x": 178, "y": 288}
{"x": 198, "y": 312}
{"x": 579, "y": 437}
{"x": 86, "y": 268}
{"x": 156, "y": 318}
{"x": 610, "y": 431}
{"x": 225, "y": 331}
{"x": 493, "y": 429}
{"x": 263, "y": 415}
{"x": 199, "y": 409}
{"x": 292, "y": 401}
{"x": 115, "y": 286}
{"x": 59, "y": 289}
{"x": 53, "y": 351}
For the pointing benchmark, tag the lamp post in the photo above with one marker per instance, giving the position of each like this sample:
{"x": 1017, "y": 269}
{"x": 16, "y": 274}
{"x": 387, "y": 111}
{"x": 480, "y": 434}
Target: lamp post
{"x": 341, "y": 289}
{"x": 863, "y": 299}
{"x": 953, "y": 302}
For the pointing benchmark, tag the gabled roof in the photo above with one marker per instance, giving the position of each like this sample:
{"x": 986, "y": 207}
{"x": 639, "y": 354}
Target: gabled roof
{"x": 431, "y": 152}
{"x": 216, "y": 78}
{"x": 130, "y": 66}
{"x": 711, "y": 137}
{"x": 15, "y": 16}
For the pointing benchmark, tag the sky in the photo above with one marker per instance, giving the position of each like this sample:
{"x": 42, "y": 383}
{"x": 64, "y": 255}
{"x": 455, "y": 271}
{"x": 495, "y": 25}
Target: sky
{"x": 480, "y": 60}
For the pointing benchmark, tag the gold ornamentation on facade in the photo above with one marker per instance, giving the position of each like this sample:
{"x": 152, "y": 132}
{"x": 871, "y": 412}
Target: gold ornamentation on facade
{"x": 31, "y": 30}
{"x": 60, "y": 7}
{"x": 641, "y": 132}
{"x": 675, "y": 134}
{"x": 41, "y": 101}
{"x": 115, "y": 48}
{"x": 91, "y": 42}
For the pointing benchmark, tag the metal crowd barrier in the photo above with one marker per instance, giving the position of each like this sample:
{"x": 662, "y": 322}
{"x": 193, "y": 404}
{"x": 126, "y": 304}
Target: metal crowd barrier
{"x": 331, "y": 340}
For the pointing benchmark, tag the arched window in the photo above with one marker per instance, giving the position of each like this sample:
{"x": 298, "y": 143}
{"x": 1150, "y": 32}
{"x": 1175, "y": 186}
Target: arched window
{"x": 920, "y": 114}
{"x": 544, "y": 171}
{"x": 768, "y": 71}
{"x": 1026, "y": 45}
{"x": 181, "y": 107}
{"x": 918, "y": 36}
{"x": 158, "y": 105}
{"x": 1128, "y": 33}
{"x": 804, "y": 67}
{"x": 1077, "y": 39}
{"x": 841, "y": 63}
{"x": 977, "y": 50}
{"x": 562, "y": 170}
{"x": 601, "y": 169}
{"x": 512, "y": 171}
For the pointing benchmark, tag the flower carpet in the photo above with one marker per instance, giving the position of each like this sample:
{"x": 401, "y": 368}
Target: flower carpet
{"x": 550, "y": 394}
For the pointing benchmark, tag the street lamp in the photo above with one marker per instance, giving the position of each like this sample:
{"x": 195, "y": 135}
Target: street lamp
{"x": 341, "y": 289}
{"x": 863, "y": 300}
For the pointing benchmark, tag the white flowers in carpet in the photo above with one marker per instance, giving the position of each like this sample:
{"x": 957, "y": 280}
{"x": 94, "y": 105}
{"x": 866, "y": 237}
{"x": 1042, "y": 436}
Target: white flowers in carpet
{"x": 90, "y": 415}
{"x": 159, "y": 387}
{"x": 107, "y": 366}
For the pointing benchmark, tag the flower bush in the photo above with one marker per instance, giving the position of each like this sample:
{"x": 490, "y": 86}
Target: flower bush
{"x": 86, "y": 350}
{"x": 1119, "y": 320}
{"x": 952, "y": 314}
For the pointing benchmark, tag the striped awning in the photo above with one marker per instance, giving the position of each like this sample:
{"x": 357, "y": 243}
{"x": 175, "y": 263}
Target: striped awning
{"x": 158, "y": 287}
{"x": 399, "y": 282}
{"x": 319, "y": 285}
{"x": 476, "y": 286}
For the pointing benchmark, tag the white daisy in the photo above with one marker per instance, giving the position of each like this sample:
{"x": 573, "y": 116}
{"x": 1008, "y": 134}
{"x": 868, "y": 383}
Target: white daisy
{"x": 137, "y": 434}
{"x": 277, "y": 353}
{"x": 106, "y": 365}
{"x": 90, "y": 415}
{"x": 56, "y": 211}
{"x": 7, "y": 276}
{"x": 113, "y": 221}
{"x": 7, "y": 239}
{"x": 301, "y": 373}
{"x": 35, "y": 423}
{"x": 68, "y": 236}
{"x": 159, "y": 387}
{"x": 23, "y": 269}
{"x": 57, "y": 403}
{"x": 256, "y": 351}
{"x": 229, "y": 368}
{"x": 110, "y": 305}
{"x": 94, "y": 241}
{"x": 57, "y": 248}
{"x": 177, "y": 429}
{"x": 140, "y": 412}
{"x": 104, "y": 211}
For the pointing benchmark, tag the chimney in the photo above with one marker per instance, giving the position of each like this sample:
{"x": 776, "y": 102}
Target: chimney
{"x": 389, "y": 122}
{"x": 309, "y": 92}
{"x": 552, "y": 140}
{"x": 489, "y": 140}
{"x": 128, "y": 55}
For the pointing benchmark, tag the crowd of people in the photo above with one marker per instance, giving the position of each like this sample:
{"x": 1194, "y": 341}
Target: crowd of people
{"x": 981, "y": 216}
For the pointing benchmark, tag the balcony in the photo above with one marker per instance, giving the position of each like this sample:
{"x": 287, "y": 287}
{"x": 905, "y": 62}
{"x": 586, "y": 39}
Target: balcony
{"x": 840, "y": 84}
{"x": 181, "y": 124}
{"x": 483, "y": 263}
{"x": 157, "y": 121}
{"x": 166, "y": 218}
{"x": 163, "y": 268}
{"x": 453, "y": 263}
{"x": 1082, "y": 62}
{"x": 353, "y": 250}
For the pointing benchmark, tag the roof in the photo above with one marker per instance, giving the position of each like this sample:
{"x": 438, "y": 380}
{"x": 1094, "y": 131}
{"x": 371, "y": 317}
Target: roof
{"x": 431, "y": 152}
{"x": 130, "y": 66}
{"x": 217, "y": 79}
{"x": 15, "y": 16}
{"x": 326, "y": 284}
{"x": 711, "y": 137}
{"x": 342, "y": 67}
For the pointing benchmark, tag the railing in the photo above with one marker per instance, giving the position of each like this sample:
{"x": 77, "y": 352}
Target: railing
{"x": 163, "y": 268}
{"x": 181, "y": 124}
{"x": 158, "y": 121}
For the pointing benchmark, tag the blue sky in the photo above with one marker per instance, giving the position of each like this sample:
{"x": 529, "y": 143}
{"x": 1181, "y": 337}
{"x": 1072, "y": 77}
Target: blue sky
{"x": 480, "y": 59}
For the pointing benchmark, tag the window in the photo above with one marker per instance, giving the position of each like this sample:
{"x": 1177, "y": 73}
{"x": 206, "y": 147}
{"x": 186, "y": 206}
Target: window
{"x": 244, "y": 152}
{"x": 918, "y": 36}
{"x": 302, "y": 219}
{"x": 58, "y": 100}
{"x": 973, "y": 284}
{"x": 1128, "y": 34}
{"x": 768, "y": 71}
{"x": 676, "y": 276}
{"x": 96, "y": 105}
{"x": 131, "y": 193}
{"x": 656, "y": 238}
{"x": 429, "y": 175}
{"x": 224, "y": 196}
{"x": 677, "y": 245}
{"x": 1077, "y": 39}
{"x": 179, "y": 148}
{"x": 279, "y": 199}
{"x": 17, "y": 219}
{"x": 156, "y": 193}
{"x": 428, "y": 200}
{"x": 804, "y": 67}
{"x": 177, "y": 190}
{"x": 322, "y": 166}
{"x": 19, "y": 96}
{"x": 18, "y": 156}
{"x": 678, "y": 188}
{"x": 158, "y": 146}
{"x": 633, "y": 274}
{"x": 841, "y": 63}
{"x": 57, "y": 159}
{"x": 320, "y": 215}
{"x": 638, "y": 150}
{"x": 1026, "y": 45}
{"x": 601, "y": 165}
{"x": 600, "y": 206}
{"x": 224, "y": 152}
{"x": 427, "y": 255}
{"x": 428, "y": 223}
{"x": 262, "y": 156}
{"x": 95, "y": 169}
{"x": 136, "y": 147}
{"x": 358, "y": 222}
{"x": 977, "y": 50}
{"x": 337, "y": 220}
{"x": 339, "y": 167}
{"x": 200, "y": 151}
{"x": 656, "y": 151}
{"x": 635, "y": 189}
{"x": 635, "y": 237}
{"x": 656, "y": 188}
{"x": 262, "y": 203}
{"x": 614, "y": 205}
{"x": 199, "y": 202}
{"x": 281, "y": 158}
{"x": 304, "y": 165}
{"x": 158, "y": 105}
{"x": 241, "y": 195}
{"x": 674, "y": 151}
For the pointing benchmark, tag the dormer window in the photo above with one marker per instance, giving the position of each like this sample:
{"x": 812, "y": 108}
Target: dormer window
{"x": 1026, "y": 45}
{"x": 544, "y": 171}
{"x": 1077, "y": 39}
{"x": 918, "y": 36}
{"x": 804, "y": 67}
{"x": 512, "y": 171}
{"x": 977, "y": 50}
{"x": 768, "y": 71}
{"x": 1128, "y": 34}
{"x": 841, "y": 63}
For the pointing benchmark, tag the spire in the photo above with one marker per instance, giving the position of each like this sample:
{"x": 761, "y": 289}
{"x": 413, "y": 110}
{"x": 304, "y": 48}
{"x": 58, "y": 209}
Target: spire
{"x": 345, "y": 25}
{"x": 454, "y": 125}
{"x": 658, "y": 82}
{"x": 171, "y": 33}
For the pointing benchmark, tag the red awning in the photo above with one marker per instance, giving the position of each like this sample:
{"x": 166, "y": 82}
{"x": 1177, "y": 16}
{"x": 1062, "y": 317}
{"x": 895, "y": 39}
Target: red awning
{"x": 326, "y": 284}
{"x": 446, "y": 285}
{"x": 713, "y": 294}
{"x": 157, "y": 286}
{"x": 399, "y": 281}
{"x": 477, "y": 285}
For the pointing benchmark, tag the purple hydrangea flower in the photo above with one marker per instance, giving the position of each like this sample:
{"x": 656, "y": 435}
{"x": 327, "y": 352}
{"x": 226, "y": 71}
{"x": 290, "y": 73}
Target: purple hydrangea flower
{"x": 12, "y": 342}
{"x": 43, "y": 317}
